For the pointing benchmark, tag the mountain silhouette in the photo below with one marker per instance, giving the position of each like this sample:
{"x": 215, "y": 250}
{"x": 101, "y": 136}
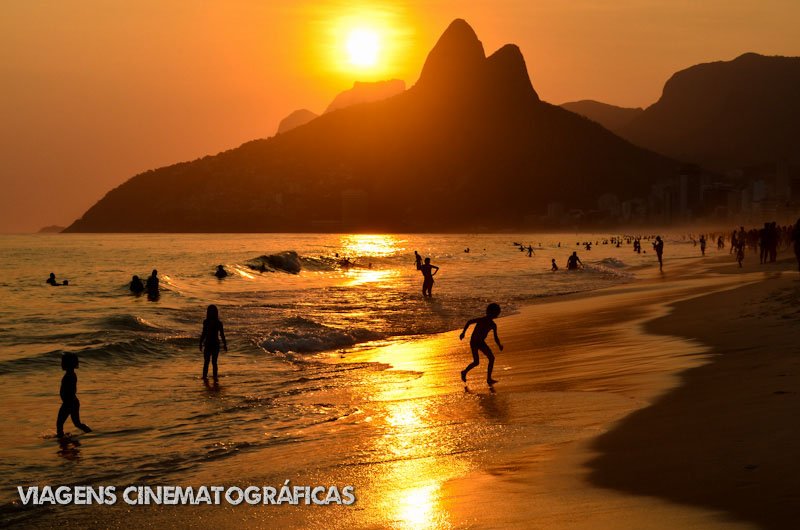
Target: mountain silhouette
{"x": 295, "y": 119}
{"x": 366, "y": 92}
{"x": 727, "y": 114}
{"x": 362, "y": 92}
{"x": 469, "y": 147}
{"x": 611, "y": 117}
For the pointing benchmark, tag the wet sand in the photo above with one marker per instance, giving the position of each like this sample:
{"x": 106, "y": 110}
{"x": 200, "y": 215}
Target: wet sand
{"x": 669, "y": 402}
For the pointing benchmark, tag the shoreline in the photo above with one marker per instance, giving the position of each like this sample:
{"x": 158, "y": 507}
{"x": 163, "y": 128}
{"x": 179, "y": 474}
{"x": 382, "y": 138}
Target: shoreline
{"x": 423, "y": 452}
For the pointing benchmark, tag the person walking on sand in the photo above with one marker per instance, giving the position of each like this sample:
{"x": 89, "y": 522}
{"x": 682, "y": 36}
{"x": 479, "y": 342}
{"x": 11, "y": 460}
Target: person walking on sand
{"x": 658, "y": 246}
{"x": 70, "y": 406}
{"x": 428, "y": 272}
{"x": 703, "y": 245}
{"x": 213, "y": 331}
{"x": 477, "y": 342}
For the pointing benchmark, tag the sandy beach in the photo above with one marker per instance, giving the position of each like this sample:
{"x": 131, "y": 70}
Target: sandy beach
{"x": 668, "y": 402}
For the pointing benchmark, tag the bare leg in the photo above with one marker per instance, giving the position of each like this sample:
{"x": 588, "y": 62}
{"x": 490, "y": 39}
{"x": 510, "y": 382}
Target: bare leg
{"x": 475, "y": 362}
{"x": 76, "y": 417}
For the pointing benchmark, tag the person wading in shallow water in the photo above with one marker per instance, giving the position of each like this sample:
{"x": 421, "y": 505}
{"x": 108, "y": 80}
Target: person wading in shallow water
{"x": 70, "y": 406}
{"x": 796, "y": 239}
{"x": 658, "y": 246}
{"x": 213, "y": 331}
{"x": 428, "y": 272}
{"x": 477, "y": 342}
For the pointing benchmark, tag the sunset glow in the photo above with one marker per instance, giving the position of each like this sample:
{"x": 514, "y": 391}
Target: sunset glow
{"x": 363, "y": 47}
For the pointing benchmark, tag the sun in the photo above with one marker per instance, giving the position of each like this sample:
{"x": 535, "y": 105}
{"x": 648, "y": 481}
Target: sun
{"x": 363, "y": 47}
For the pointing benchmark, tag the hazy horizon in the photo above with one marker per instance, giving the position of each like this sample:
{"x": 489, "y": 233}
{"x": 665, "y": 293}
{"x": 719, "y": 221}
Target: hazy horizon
{"x": 95, "y": 93}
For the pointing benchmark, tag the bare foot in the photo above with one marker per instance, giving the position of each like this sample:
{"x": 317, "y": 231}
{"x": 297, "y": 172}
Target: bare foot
{"x": 490, "y": 382}
{"x": 463, "y": 376}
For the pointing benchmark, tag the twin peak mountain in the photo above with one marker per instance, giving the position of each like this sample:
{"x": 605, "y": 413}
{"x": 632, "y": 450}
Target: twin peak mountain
{"x": 469, "y": 147}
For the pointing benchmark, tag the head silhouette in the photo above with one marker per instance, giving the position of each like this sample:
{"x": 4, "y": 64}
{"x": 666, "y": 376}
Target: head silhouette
{"x": 212, "y": 313}
{"x": 155, "y": 272}
{"x": 220, "y": 267}
{"x": 427, "y": 260}
{"x": 69, "y": 361}
{"x": 135, "y": 278}
{"x": 52, "y": 275}
{"x": 493, "y": 310}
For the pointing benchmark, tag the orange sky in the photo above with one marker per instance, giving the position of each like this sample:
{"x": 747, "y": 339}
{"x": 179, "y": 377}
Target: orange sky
{"x": 94, "y": 91}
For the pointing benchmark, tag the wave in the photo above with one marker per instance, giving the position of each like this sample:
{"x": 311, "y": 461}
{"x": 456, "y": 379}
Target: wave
{"x": 287, "y": 261}
{"x": 613, "y": 263}
{"x": 122, "y": 351}
{"x": 126, "y": 322}
{"x": 301, "y": 335}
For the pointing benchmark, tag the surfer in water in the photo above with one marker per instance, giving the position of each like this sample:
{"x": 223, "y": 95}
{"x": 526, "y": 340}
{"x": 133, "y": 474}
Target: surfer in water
{"x": 220, "y": 272}
{"x": 477, "y": 342}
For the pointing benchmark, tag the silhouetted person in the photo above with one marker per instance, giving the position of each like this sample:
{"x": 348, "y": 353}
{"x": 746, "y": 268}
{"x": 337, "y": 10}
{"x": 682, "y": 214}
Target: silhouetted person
{"x": 554, "y": 267}
{"x": 477, "y": 342}
{"x": 740, "y": 255}
{"x": 428, "y": 272}
{"x": 658, "y": 246}
{"x": 152, "y": 286}
{"x": 220, "y": 272}
{"x": 573, "y": 262}
{"x": 466, "y": 250}
{"x": 51, "y": 280}
{"x": 703, "y": 245}
{"x": 210, "y": 340}
{"x": 70, "y": 406}
{"x": 136, "y": 287}
{"x": 796, "y": 240}
{"x": 418, "y": 260}
{"x": 530, "y": 251}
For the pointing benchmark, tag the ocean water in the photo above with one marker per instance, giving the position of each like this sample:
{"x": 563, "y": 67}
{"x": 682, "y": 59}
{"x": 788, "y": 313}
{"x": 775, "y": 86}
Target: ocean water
{"x": 139, "y": 379}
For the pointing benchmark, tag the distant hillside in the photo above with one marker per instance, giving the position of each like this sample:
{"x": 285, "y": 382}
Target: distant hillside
{"x": 726, "y": 114}
{"x": 609, "y": 116}
{"x": 469, "y": 147}
{"x": 365, "y": 92}
{"x": 52, "y": 229}
{"x": 295, "y": 119}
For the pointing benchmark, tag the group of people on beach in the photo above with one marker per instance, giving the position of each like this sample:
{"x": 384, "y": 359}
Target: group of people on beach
{"x": 212, "y": 336}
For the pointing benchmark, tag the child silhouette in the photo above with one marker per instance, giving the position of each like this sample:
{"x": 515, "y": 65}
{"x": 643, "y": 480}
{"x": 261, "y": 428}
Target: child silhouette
{"x": 477, "y": 341}
{"x": 70, "y": 406}
{"x": 209, "y": 340}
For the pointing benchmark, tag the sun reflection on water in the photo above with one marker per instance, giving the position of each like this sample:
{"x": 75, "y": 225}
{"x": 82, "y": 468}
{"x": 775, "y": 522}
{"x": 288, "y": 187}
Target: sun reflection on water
{"x": 370, "y": 245}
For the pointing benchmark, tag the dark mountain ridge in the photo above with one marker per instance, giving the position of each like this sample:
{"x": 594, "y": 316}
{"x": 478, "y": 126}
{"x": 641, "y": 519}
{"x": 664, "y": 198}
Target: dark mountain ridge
{"x": 726, "y": 114}
{"x": 611, "y": 117}
{"x": 469, "y": 147}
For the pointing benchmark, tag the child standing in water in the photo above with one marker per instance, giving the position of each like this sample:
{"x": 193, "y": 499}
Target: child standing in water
{"x": 209, "y": 340}
{"x": 477, "y": 341}
{"x": 428, "y": 272}
{"x": 70, "y": 406}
